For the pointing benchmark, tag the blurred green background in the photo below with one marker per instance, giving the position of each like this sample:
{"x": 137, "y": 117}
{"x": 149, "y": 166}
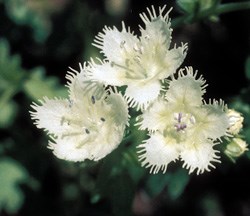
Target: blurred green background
{"x": 39, "y": 39}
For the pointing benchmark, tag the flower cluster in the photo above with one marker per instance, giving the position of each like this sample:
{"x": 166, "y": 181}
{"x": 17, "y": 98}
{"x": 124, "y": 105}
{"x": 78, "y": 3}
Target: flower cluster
{"x": 90, "y": 123}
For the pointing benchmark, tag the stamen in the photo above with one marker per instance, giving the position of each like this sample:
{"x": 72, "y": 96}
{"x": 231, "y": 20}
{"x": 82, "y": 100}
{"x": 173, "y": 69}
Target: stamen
{"x": 192, "y": 120}
{"x": 137, "y": 49}
{"x": 180, "y": 127}
{"x": 122, "y": 44}
{"x": 93, "y": 99}
{"x": 103, "y": 119}
{"x": 87, "y": 131}
{"x": 64, "y": 121}
{"x": 70, "y": 103}
{"x": 147, "y": 37}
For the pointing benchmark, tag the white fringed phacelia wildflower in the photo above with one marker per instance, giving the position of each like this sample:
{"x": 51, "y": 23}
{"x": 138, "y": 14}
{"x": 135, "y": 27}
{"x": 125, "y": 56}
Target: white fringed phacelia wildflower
{"x": 87, "y": 125}
{"x": 182, "y": 125}
{"x": 140, "y": 63}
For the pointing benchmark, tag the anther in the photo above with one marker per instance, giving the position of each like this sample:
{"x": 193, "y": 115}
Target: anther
{"x": 103, "y": 119}
{"x": 70, "y": 103}
{"x": 87, "y": 130}
{"x": 180, "y": 127}
{"x": 93, "y": 99}
{"x": 122, "y": 44}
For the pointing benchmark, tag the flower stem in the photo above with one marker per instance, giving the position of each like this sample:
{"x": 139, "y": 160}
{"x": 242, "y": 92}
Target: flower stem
{"x": 220, "y": 9}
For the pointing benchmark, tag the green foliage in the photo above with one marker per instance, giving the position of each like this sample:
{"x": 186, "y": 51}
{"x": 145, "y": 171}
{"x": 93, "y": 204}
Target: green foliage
{"x": 11, "y": 76}
{"x": 115, "y": 183}
{"x": 22, "y": 14}
{"x": 38, "y": 85}
{"x": 13, "y": 79}
{"x": 11, "y": 175}
{"x": 10, "y": 66}
{"x": 8, "y": 114}
{"x": 174, "y": 183}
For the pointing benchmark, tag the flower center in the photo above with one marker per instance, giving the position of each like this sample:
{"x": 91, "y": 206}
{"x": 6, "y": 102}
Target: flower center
{"x": 88, "y": 125}
{"x": 183, "y": 121}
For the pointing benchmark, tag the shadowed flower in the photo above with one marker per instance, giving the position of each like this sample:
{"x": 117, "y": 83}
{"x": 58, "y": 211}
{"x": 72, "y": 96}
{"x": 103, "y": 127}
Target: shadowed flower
{"x": 183, "y": 126}
{"x": 140, "y": 63}
{"x": 87, "y": 125}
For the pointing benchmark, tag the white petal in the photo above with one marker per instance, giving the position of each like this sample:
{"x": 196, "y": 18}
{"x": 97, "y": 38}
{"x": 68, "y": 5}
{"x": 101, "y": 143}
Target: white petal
{"x": 186, "y": 90}
{"x": 119, "y": 109}
{"x": 173, "y": 59}
{"x": 79, "y": 82}
{"x": 157, "y": 31}
{"x": 157, "y": 116}
{"x": 213, "y": 120}
{"x": 199, "y": 155}
{"x": 117, "y": 46}
{"x": 156, "y": 37}
{"x": 140, "y": 94}
{"x": 49, "y": 115}
{"x": 80, "y": 148}
{"x": 157, "y": 152}
{"x": 107, "y": 73}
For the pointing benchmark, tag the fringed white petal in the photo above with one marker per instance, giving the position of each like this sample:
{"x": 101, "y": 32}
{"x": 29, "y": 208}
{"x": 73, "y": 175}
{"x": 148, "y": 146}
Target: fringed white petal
{"x": 199, "y": 155}
{"x": 49, "y": 115}
{"x": 186, "y": 89}
{"x": 87, "y": 146}
{"x": 157, "y": 116}
{"x": 157, "y": 30}
{"x": 157, "y": 152}
{"x": 119, "y": 109}
{"x": 107, "y": 73}
{"x": 213, "y": 120}
{"x": 79, "y": 82}
{"x": 140, "y": 94}
{"x": 117, "y": 46}
{"x": 172, "y": 60}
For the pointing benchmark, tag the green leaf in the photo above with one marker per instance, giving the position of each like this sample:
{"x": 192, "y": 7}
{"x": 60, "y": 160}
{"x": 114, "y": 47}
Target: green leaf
{"x": 11, "y": 175}
{"x": 39, "y": 85}
{"x": 11, "y": 72}
{"x": 247, "y": 68}
{"x": 115, "y": 184}
{"x": 177, "y": 183}
{"x": 156, "y": 183}
{"x": 22, "y": 13}
{"x": 8, "y": 114}
{"x": 174, "y": 183}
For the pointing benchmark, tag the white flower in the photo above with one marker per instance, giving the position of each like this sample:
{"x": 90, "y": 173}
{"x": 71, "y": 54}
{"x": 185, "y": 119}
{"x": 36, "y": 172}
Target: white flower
{"x": 87, "y": 125}
{"x": 140, "y": 63}
{"x": 182, "y": 126}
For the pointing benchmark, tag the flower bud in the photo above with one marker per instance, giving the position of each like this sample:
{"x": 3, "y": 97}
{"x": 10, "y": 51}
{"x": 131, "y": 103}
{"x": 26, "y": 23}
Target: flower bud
{"x": 235, "y": 121}
{"x": 236, "y": 148}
